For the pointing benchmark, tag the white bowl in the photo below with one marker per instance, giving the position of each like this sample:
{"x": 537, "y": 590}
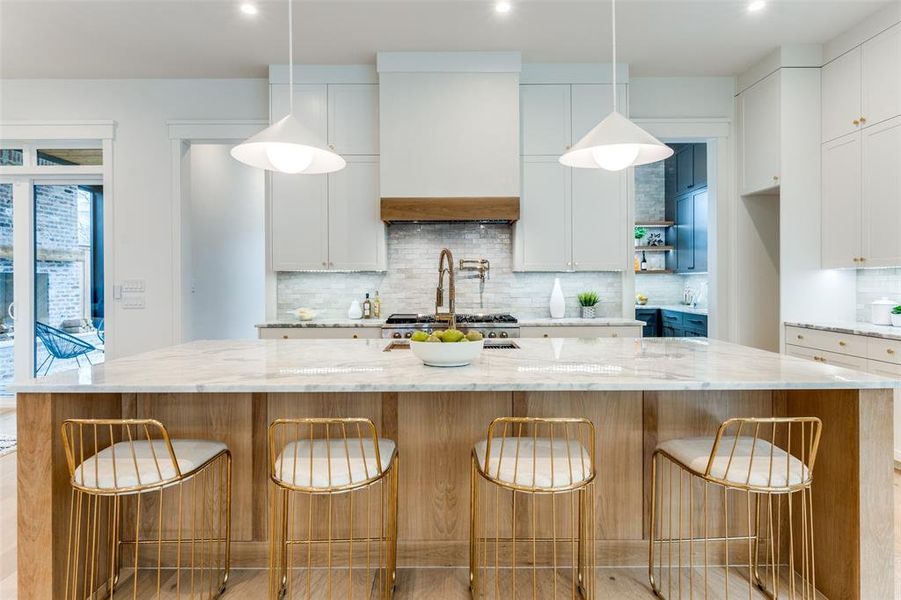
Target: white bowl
{"x": 450, "y": 354}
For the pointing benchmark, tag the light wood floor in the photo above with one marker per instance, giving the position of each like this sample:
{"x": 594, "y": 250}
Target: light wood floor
{"x": 443, "y": 584}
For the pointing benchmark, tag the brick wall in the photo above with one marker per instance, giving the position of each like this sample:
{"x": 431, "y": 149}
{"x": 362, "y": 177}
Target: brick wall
{"x": 60, "y": 256}
{"x": 649, "y": 192}
{"x": 409, "y": 283}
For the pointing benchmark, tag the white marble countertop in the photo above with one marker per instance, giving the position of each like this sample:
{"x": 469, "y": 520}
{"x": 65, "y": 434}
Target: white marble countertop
{"x": 853, "y": 327}
{"x": 555, "y": 364}
{"x": 323, "y": 322}
{"x": 692, "y": 310}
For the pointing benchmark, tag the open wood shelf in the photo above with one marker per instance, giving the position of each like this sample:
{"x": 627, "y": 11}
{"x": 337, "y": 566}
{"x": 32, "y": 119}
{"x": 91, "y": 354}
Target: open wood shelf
{"x": 654, "y": 272}
{"x": 655, "y": 224}
{"x": 654, "y": 248}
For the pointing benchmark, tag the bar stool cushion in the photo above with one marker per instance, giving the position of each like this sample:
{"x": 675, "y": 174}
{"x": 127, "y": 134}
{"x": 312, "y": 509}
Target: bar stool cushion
{"x": 694, "y": 453}
{"x": 97, "y": 472}
{"x": 534, "y": 466}
{"x": 334, "y": 463}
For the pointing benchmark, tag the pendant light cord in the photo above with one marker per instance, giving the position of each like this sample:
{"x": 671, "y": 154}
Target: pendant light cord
{"x": 290, "y": 58}
{"x": 613, "y": 21}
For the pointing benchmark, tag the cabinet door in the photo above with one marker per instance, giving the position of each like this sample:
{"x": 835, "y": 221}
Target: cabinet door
{"x": 685, "y": 171}
{"x": 760, "y": 134}
{"x": 684, "y": 230}
{"x": 545, "y": 118}
{"x": 298, "y": 214}
{"x": 299, "y": 222}
{"x": 598, "y": 220}
{"x": 699, "y": 165}
{"x": 353, "y": 118}
{"x": 881, "y": 77}
{"x": 356, "y": 233}
{"x": 881, "y": 190}
{"x": 699, "y": 231}
{"x": 841, "y": 95}
{"x": 841, "y": 203}
{"x": 544, "y": 229}
{"x": 591, "y": 103}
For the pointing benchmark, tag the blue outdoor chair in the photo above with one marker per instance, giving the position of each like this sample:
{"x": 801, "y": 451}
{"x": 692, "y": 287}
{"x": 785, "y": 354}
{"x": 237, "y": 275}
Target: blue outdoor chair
{"x": 100, "y": 330}
{"x": 60, "y": 345}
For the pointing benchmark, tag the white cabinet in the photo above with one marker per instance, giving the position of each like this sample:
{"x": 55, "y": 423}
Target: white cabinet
{"x": 842, "y": 209}
{"x": 841, "y": 95}
{"x": 544, "y": 229}
{"x": 880, "y": 94}
{"x": 320, "y": 333}
{"x": 319, "y": 222}
{"x": 356, "y": 234}
{"x": 545, "y": 119}
{"x": 353, "y": 118}
{"x": 881, "y": 190}
{"x": 298, "y": 222}
{"x": 570, "y": 219}
{"x": 598, "y": 220}
{"x": 861, "y": 193}
{"x": 579, "y": 331}
{"x": 862, "y": 87}
{"x": 760, "y": 135}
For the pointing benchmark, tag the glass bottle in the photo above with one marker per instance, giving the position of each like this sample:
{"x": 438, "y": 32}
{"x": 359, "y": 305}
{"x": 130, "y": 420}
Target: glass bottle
{"x": 367, "y": 308}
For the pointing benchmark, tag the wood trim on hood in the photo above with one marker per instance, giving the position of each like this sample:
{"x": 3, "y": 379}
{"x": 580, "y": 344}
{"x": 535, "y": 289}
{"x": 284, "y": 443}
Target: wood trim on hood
{"x": 492, "y": 208}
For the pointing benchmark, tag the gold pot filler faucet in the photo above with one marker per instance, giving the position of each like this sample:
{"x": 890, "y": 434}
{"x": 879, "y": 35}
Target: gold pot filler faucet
{"x": 450, "y": 316}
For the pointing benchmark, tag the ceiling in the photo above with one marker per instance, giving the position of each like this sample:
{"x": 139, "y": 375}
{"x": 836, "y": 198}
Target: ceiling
{"x": 212, "y": 38}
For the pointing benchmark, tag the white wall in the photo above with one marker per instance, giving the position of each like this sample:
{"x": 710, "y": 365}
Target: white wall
{"x": 681, "y": 97}
{"x": 227, "y": 246}
{"x": 142, "y": 159}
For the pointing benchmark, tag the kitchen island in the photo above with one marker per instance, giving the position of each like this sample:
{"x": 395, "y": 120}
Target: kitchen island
{"x": 638, "y": 392}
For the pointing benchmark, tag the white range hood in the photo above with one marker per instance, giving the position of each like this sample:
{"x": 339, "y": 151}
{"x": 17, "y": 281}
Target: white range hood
{"x": 449, "y": 135}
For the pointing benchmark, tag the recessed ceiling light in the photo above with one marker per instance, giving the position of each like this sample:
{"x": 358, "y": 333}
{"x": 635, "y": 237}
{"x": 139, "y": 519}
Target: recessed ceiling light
{"x": 756, "y": 5}
{"x": 249, "y": 9}
{"x": 503, "y": 7}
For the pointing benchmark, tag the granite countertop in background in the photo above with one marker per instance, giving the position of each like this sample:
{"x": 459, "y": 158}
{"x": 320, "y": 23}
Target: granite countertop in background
{"x": 853, "y": 327}
{"x": 692, "y": 310}
{"x": 323, "y": 322}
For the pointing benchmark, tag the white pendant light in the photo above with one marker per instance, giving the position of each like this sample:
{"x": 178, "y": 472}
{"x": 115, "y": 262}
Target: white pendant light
{"x": 288, "y": 146}
{"x": 615, "y": 143}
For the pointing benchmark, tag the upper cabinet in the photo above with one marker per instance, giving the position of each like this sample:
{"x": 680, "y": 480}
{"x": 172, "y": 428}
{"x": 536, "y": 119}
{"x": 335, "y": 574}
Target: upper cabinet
{"x": 862, "y": 87}
{"x": 570, "y": 219}
{"x": 686, "y": 204}
{"x": 322, "y": 222}
{"x": 760, "y": 135}
{"x": 841, "y": 95}
{"x": 880, "y": 97}
{"x": 861, "y": 155}
{"x": 353, "y": 119}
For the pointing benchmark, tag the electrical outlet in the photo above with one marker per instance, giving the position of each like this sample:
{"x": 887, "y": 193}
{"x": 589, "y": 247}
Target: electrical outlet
{"x": 133, "y": 285}
{"x": 133, "y": 302}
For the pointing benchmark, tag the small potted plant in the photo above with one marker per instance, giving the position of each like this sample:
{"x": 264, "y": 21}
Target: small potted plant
{"x": 640, "y": 233}
{"x": 896, "y": 316}
{"x": 588, "y": 300}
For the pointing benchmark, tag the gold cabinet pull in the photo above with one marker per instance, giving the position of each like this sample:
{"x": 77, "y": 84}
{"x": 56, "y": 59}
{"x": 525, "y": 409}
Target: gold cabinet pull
{"x": 841, "y": 343}
{"x": 284, "y": 337}
{"x": 863, "y": 119}
{"x": 545, "y": 335}
{"x": 889, "y": 351}
{"x": 800, "y": 337}
{"x": 355, "y": 336}
{"x": 856, "y": 121}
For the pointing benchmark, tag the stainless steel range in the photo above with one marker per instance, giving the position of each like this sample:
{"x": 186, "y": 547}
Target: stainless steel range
{"x": 401, "y": 326}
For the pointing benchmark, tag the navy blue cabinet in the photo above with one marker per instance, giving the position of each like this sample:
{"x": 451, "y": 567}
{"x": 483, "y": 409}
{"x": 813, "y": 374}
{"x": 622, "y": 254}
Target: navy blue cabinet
{"x": 686, "y": 205}
{"x": 651, "y": 319}
{"x": 674, "y": 323}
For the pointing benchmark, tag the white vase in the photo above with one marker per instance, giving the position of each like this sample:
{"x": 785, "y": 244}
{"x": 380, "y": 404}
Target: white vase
{"x": 896, "y": 320}
{"x": 557, "y": 303}
{"x": 355, "y": 311}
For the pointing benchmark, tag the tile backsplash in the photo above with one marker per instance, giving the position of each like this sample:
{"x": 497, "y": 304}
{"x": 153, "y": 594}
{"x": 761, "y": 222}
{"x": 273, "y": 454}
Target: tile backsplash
{"x": 669, "y": 288}
{"x": 409, "y": 283}
{"x": 873, "y": 284}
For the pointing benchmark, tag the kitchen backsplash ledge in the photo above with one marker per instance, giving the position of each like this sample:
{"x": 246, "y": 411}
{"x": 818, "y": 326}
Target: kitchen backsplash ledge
{"x": 409, "y": 283}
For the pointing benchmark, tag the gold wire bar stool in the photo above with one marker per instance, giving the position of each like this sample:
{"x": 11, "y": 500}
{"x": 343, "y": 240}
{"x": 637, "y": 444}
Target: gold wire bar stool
{"x": 145, "y": 505}
{"x": 739, "y": 502}
{"x": 532, "y": 504}
{"x": 333, "y": 509}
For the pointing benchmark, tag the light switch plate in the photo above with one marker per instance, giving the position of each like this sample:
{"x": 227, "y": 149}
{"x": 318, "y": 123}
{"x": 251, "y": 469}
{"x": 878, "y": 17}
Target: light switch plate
{"x": 133, "y": 285}
{"x": 133, "y": 302}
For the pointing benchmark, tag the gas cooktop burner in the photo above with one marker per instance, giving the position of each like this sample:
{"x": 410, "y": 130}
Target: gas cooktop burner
{"x": 411, "y": 319}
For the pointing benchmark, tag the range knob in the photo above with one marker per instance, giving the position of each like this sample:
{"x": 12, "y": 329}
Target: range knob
{"x": 396, "y": 335}
{"x": 408, "y": 334}
{"x": 503, "y": 334}
{"x": 493, "y": 334}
